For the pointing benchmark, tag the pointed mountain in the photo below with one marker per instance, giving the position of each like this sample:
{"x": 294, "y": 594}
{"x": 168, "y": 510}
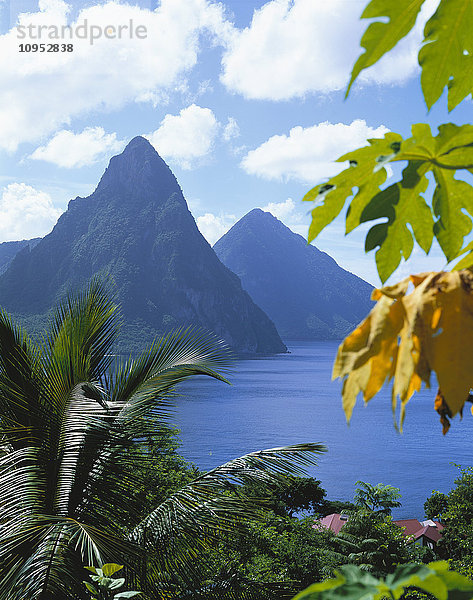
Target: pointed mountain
{"x": 136, "y": 228}
{"x": 303, "y": 290}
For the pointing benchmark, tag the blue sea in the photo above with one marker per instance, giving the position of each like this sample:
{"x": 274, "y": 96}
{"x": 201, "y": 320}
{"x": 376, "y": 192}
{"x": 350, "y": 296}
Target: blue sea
{"x": 288, "y": 399}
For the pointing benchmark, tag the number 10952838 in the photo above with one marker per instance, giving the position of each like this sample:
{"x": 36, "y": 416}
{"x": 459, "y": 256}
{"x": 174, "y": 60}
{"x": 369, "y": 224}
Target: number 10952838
{"x": 46, "y": 47}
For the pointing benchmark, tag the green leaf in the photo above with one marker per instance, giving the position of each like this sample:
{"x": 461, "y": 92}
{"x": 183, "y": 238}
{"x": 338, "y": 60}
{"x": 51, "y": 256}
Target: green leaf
{"x": 467, "y": 261}
{"x": 451, "y": 196}
{"x": 90, "y": 587}
{"x": 406, "y": 213}
{"x": 112, "y": 584}
{"x": 92, "y": 569}
{"x": 402, "y": 205}
{"x": 380, "y": 37}
{"x": 117, "y": 583}
{"x": 315, "y": 589}
{"x": 129, "y": 594}
{"x": 364, "y": 174}
{"x": 111, "y": 568}
{"x": 352, "y": 583}
{"x": 445, "y": 57}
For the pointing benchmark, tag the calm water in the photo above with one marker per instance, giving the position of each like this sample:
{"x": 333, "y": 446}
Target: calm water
{"x": 289, "y": 399}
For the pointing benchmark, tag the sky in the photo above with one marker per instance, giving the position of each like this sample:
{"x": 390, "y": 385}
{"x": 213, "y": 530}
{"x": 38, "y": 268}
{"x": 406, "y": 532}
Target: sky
{"x": 244, "y": 99}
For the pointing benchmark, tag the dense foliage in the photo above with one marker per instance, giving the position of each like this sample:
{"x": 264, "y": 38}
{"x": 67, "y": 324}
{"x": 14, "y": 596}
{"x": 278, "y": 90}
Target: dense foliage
{"x": 88, "y": 470}
{"x": 377, "y": 498}
{"x": 455, "y": 511}
{"x": 432, "y": 580}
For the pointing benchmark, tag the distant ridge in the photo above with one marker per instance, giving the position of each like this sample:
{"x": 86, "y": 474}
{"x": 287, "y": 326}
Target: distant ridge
{"x": 303, "y": 290}
{"x": 136, "y": 228}
{"x": 8, "y": 251}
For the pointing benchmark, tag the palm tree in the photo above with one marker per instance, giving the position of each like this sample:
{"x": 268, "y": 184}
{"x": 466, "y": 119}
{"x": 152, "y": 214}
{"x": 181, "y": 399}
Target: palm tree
{"x": 74, "y": 424}
{"x": 378, "y": 498}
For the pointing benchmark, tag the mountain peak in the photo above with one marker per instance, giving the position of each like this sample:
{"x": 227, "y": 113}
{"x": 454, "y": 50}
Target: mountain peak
{"x": 259, "y": 214}
{"x": 139, "y": 167}
{"x": 255, "y": 223}
{"x": 136, "y": 229}
{"x": 138, "y": 142}
{"x": 302, "y": 289}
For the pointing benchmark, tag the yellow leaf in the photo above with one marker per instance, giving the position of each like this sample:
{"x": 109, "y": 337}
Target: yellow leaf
{"x": 406, "y": 336}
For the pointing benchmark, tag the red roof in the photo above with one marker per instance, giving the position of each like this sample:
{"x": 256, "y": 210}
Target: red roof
{"x": 410, "y": 526}
{"x": 431, "y": 530}
{"x": 334, "y": 522}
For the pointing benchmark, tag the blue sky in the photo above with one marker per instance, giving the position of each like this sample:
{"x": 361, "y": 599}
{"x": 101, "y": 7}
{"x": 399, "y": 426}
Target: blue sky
{"x": 244, "y": 99}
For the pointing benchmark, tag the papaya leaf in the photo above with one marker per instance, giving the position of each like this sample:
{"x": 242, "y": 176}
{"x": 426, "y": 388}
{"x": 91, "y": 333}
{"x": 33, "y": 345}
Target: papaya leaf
{"x": 406, "y": 336}
{"x": 406, "y": 213}
{"x": 445, "y": 56}
{"x": 401, "y": 204}
{"x": 380, "y": 37}
{"x": 363, "y": 174}
{"x": 450, "y": 197}
{"x": 467, "y": 261}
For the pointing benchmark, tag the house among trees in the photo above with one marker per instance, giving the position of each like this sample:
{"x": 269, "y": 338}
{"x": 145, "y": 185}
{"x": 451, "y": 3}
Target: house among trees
{"x": 424, "y": 533}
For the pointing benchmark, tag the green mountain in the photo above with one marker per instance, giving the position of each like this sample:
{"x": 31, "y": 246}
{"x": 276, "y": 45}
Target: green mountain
{"x": 8, "y": 251}
{"x": 136, "y": 229}
{"x": 303, "y": 290}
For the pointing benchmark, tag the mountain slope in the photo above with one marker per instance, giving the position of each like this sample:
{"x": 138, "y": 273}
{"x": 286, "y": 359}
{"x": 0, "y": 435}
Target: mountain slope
{"x": 303, "y": 290}
{"x": 8, "y": 251}
{"x": 136, "y": 228}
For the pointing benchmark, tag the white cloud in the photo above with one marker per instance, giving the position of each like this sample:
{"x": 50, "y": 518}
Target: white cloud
{"x": 291, "y": 48}
{"x": 42, "y": 92}
{"x": 307, "y": 154}
{"x": 280, "y": 210}
{"x": 231, "y": 130}
{"x": 212, "y": 227}
{"x": 68, "y": 149}
{"x": 294, "y": 47}
{"x": 287, "y": 213}
{"x": 187, "y": 137}
{"x": 25, "y": 213}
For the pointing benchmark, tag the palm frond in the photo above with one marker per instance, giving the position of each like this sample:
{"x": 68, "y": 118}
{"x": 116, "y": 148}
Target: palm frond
{"x": 22, "y": 486}
{"x": 139, "y": 392}
{"x": 85, "y": 326}
{"x": 177, "y": 532}
{"x": 24, "y": 416}
{"x": 138, "y": 386}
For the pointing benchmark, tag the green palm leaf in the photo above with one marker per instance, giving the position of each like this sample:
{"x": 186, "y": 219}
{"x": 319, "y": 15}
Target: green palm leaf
{"x": 210, "y": 505}
{"x": 74, "y": 431}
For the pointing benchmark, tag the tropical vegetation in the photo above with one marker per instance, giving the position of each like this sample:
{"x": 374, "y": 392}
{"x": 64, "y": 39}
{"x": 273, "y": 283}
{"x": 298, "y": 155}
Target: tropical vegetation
{"x": 81, "y": 431}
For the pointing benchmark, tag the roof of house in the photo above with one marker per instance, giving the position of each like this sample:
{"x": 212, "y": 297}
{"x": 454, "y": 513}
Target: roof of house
{"x": 334, "y": 522}
{"x": 429, "y": 529}
{"x": 432, "y": 530}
